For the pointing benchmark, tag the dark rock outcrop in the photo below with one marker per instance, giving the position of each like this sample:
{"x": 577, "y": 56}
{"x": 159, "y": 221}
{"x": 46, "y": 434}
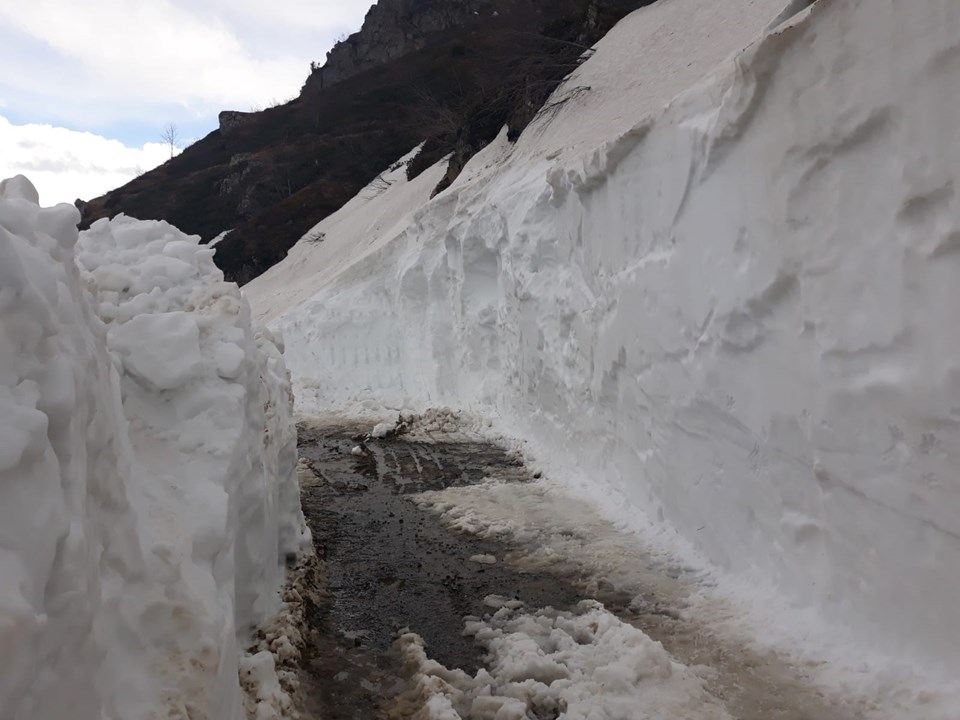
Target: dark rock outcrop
{"x": 391, "y": 29}
{"x": 451, "y": 72}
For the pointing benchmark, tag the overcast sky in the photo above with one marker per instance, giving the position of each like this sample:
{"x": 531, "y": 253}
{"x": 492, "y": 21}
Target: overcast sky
{"x": 87, "y": 87}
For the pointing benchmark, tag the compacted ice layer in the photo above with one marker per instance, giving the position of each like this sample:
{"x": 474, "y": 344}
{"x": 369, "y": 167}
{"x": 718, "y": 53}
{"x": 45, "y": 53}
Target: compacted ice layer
{"x": 733, "y": 317}
{"x": 147, "y": 470}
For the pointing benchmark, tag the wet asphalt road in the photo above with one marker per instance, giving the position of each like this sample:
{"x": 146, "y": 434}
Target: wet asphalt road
{"x": 390, "y": 565}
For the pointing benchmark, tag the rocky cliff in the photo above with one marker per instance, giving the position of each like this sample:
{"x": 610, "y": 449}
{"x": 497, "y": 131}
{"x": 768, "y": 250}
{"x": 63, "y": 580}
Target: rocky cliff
{"x": 449, "y": 72}
{"x": 393, "y": 28}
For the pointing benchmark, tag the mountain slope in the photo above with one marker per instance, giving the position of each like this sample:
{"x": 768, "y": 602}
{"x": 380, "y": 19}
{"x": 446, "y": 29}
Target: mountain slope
{"x": 450, "y": 71}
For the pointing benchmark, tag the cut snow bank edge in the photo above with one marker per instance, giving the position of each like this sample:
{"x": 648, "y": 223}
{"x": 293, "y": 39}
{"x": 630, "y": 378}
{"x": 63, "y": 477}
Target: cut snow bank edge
{"x": 736, "y": 319}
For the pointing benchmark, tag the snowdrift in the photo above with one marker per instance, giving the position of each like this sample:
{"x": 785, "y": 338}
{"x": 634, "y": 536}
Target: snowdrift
{"x": 147, "y": 458}
{"x": 719, "y": 295}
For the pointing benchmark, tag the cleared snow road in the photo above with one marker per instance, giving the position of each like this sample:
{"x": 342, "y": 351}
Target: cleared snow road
{"x": 407, "y": 530}
{"x": 390, "y": 564}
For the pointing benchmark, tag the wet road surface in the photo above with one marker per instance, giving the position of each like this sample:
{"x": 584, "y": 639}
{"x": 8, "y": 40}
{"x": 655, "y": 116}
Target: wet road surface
{"x": 386, "y": 564}
{"x": 391, "y": 565}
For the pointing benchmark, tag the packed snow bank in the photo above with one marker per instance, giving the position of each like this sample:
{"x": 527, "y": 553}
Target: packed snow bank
{"x": 577, "y": 666}
{"x": 208, "y": 402}
{"x": 147, "y": 470}
{"x": 71, "y": 547}
{"x": 730, "y": 313}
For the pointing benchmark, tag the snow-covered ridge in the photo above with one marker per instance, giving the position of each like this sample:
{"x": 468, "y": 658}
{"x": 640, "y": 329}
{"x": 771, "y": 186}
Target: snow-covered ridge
{"x": 719, "y": 296}
{"x": 147, "y": 470}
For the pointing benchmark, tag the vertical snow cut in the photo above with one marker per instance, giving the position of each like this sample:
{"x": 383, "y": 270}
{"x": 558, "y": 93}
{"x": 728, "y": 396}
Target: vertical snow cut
{"x": 71, "y": 549}
{"x": 148, "y": 493}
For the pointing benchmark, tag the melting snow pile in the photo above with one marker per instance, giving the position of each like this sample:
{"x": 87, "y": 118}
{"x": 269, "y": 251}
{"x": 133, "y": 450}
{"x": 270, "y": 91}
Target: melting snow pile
{"x": 147, "y": 470}
{"x": 717, "y": 293}
{"x": 551, "y": 664}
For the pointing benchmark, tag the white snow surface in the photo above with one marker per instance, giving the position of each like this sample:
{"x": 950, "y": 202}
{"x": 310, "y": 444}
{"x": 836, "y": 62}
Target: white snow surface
{"x": 717, "y": 294}
{"x": 359, "y": 228}
{"x": 583, "y": 665}
{"x": 147, "y": 470}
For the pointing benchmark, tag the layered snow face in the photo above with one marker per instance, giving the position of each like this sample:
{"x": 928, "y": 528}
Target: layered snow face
{"x": 147, "y": 470}
{"x": 733, "y": 317}
{"x": 71, "y": 547}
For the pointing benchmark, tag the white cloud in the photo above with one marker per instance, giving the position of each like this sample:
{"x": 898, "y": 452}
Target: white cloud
{"x": 308, "y": 13}
{"x": 65, "y": 164}
{"x": 204, "y": 55}
{"x": 127, "y": 67}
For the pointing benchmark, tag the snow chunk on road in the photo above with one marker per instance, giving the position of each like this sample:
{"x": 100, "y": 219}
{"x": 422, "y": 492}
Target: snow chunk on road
{"x": 383, "y": 430}
{"x": 582, "y": 665}
{"x": 502, "y": 601}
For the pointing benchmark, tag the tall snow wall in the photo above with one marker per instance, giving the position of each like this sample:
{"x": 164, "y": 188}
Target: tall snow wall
{"x": 147, "y": 464}
{"x": 734, "y": 315}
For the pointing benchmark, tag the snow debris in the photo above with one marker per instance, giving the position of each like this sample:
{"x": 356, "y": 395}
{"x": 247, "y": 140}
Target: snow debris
{"x": 357, "y": 451}
{"x": 502, "y": 601}
{"x": 147, "y": 486}
{"x": 582, "y": 665}
{"x": 435, "y": 420}
{"x": 484, "y": 559}
{"x": 270, "y": 671}
{"x": 258, "y": 675}
{"x": 384, "y": 430}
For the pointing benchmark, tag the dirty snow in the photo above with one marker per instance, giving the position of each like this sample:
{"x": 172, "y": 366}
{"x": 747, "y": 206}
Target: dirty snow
{"x": 384, "y": 429}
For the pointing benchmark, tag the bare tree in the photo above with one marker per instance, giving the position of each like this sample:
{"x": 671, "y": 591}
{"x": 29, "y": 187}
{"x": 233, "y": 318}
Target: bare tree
{"x": 171, "y": 137}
